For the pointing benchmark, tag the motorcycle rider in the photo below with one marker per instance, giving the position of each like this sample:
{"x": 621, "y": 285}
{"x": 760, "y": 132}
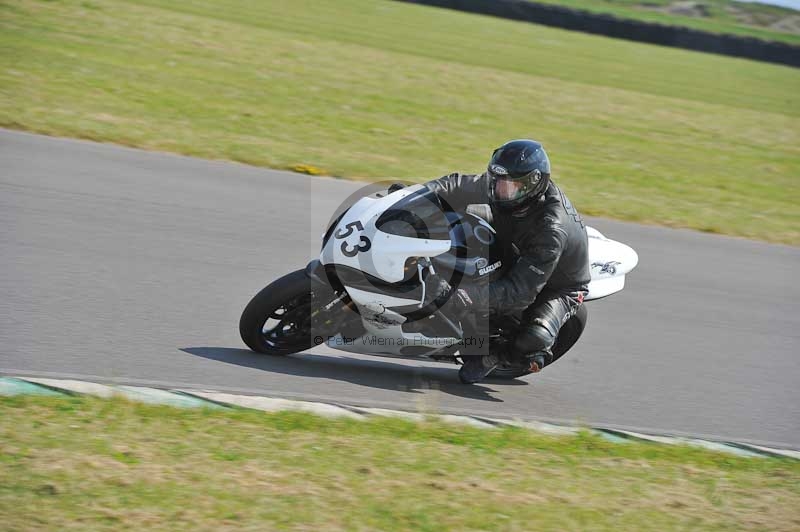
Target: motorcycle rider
{"x": 550, "y": 278}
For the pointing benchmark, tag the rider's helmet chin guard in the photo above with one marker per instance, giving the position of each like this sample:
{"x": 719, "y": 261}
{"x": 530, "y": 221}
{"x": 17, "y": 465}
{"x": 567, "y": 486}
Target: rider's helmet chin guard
{"x": 519, "y": 173}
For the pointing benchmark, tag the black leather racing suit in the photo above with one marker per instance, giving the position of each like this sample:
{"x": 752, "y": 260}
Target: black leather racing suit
{"x": 550, "y": 278}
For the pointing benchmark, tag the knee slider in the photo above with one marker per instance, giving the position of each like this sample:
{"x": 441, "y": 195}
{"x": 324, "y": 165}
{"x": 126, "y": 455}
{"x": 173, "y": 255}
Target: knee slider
{"x": 535, "y": 338}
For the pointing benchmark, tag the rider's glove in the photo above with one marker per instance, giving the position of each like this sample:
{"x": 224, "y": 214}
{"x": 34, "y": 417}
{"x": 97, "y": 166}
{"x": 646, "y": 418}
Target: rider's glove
{"x": 437, "y": 289}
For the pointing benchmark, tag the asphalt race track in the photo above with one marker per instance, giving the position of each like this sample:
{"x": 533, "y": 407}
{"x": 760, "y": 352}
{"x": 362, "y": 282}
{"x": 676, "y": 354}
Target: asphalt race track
{"x": 127, "y": 266}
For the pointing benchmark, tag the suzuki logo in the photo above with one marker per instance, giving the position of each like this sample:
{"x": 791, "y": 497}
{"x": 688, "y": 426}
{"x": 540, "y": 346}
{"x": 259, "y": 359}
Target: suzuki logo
{"x": 490, "y": 268}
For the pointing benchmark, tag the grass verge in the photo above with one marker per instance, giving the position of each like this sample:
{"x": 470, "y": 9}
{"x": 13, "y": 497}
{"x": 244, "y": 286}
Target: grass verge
{"x": 90, "y": 464}
{"x": 368, "y": 89}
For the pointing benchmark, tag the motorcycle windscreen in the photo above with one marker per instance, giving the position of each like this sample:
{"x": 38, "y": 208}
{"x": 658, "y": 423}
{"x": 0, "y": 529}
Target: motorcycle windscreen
{"x": 418, "y": 215}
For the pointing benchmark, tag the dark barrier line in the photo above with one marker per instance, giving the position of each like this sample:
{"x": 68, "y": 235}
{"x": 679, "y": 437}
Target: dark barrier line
{"x": 634, "y": 30}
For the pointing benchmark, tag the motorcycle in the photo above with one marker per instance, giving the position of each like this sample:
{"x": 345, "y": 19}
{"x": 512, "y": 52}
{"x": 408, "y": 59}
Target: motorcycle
{"x": 365, "y": 293}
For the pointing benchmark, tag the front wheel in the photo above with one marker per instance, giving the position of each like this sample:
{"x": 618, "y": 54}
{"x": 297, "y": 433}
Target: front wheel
{"x": 277, "y": 321}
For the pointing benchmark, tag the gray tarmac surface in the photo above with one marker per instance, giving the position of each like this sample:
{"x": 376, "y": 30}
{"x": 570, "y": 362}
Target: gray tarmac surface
{"x": 121, "y": 265}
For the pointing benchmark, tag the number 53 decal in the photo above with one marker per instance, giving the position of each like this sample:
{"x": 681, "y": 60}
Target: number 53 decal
{"x": 363, "y": 246}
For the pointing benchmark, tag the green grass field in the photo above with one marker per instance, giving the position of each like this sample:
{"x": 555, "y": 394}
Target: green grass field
{"x": 91, "y": 464}
{"x": 768, "y": 22}
{"x": 372, "y": 88}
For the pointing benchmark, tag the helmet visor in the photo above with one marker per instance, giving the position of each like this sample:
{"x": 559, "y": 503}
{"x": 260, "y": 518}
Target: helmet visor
{"x": 510, "y": 189}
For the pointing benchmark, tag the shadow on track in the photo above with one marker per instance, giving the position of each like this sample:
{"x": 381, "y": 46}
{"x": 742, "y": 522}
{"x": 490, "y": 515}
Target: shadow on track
{"x": 372, "y": 373}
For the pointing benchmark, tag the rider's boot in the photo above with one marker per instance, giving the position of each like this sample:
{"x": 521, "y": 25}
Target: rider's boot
{"x": 476, "y": 367}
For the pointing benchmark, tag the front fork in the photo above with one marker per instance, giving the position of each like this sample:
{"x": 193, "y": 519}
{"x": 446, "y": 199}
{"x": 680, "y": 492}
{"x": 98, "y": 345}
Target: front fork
{"x": 328, "y": 314}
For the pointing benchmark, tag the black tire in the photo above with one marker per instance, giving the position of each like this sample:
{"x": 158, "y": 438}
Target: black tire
{"x": 570, "y": 332}
{"x": 288, "y": 302}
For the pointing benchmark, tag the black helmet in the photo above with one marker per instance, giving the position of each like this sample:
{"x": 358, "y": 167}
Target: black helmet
{"x": 519, "y": 173}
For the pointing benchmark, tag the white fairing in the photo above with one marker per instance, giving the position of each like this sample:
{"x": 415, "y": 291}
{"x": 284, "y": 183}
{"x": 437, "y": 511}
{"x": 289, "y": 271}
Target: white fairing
{"x": 387, "y": 255}
{"x": 610, "y": 261}
{"x": 384, "y": 334}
